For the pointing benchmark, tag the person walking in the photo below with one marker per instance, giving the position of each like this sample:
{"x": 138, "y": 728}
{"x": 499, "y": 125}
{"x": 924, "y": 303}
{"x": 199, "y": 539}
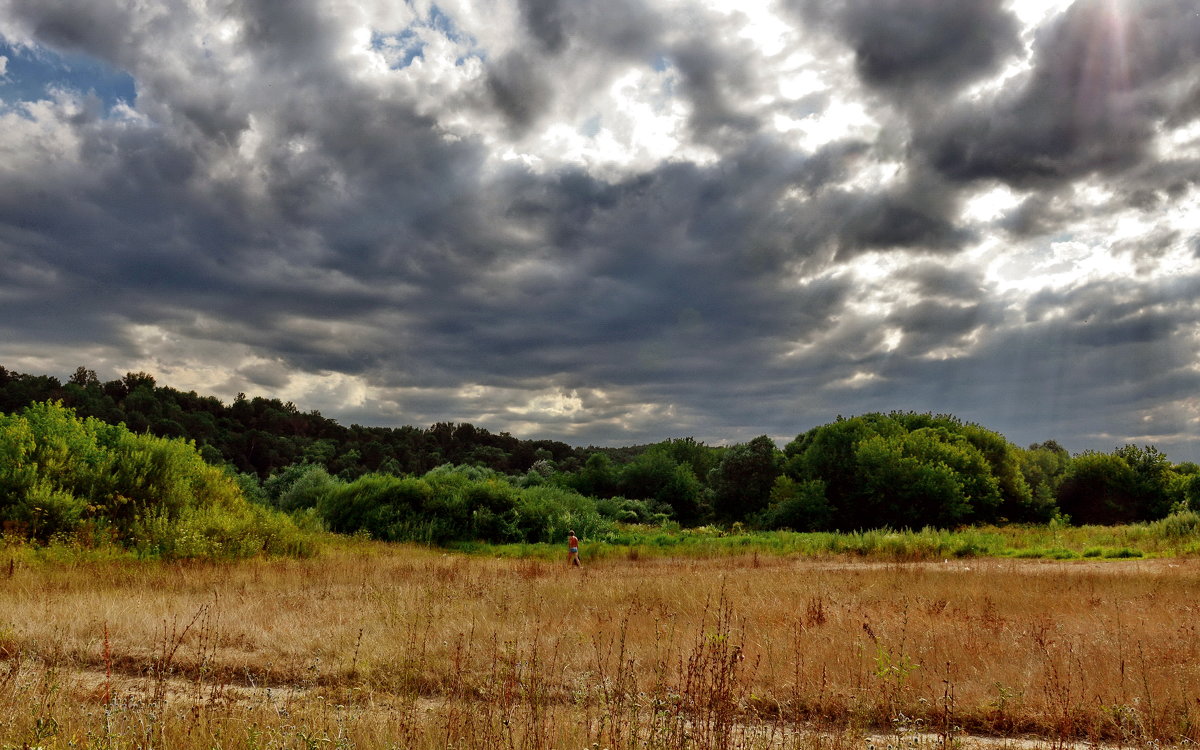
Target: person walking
{"x": 573, "y": 549}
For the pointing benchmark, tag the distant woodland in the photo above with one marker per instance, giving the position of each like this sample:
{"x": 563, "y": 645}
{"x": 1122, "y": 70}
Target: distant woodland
{"x": 263, "y": 436}
{"x": 131, "y": 459}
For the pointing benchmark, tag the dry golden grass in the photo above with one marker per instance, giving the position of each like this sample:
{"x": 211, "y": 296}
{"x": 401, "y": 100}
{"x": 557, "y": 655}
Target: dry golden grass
{"x": 376, "y": 646}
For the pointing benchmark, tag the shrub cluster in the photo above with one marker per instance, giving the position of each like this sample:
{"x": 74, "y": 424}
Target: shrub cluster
{"x": 62, "y": 476}
{"x": 447, "y": 504}
{"x": 456, "y": 483}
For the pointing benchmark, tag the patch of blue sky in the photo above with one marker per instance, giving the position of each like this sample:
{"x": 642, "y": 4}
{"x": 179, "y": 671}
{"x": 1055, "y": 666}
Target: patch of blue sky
{"x": 402, "y": 48}
{"x": 32, "y": 73}
{"x": 445, "y": 24}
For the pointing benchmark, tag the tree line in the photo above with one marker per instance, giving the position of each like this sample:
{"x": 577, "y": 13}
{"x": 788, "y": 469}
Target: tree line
{"x": 263, "y": 436}
{"x": 457, "y": 482}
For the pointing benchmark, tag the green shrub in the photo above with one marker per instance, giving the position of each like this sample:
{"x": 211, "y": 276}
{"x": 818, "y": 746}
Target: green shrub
{"x": 1122, "y": 553}
{"x": 797, "y": 506}
{"x": 547, "y": 513}
{"x": 63, "y": 476}
{"x": 1181, "y": 524}
{"x": 383, "y": 505}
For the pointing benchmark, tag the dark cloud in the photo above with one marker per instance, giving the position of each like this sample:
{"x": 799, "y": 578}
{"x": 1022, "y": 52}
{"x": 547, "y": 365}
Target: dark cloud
{"x": 78, "y": 27}
{"x": 918, "y": 214}
{"x": 1097, "y": 356}
{"x": 521, "y": 83}
{"x": 928, "y": 324}
{"x": 1147, "y": 328}
{"x": 280, "y": 211}
{"x": 619, "y": 30}
{"x": 1116, "y": 302}
{"x": 662, "y": 267}
{"x": 927, "y": 43}
{"x": 1040, "y": 213}
{"x": 887, "y": 221}
{"x": 1146, "y": 251}
{"x": 545, "y": 21}
{"x": 268, "y": 375}
{"x": 518, "y": 90}
{"x": 934, "y": 280}
{"x": 1104, "y": 75}
{"x": 710, "y": 79}
{"x": 297, "y": 45}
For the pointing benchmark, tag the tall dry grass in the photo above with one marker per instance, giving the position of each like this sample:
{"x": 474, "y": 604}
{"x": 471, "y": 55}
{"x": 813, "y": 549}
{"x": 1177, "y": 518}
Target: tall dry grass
{"x": 376, "y": 646}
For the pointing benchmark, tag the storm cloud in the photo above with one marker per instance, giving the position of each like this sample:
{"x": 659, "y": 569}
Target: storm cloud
{"x": 620, "y": 223}
{"x": 905, "y": 44}
{"x": 1106, "y": 76}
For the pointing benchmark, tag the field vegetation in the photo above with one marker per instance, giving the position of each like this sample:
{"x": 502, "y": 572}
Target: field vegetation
{"x": 385, "y": 646}
{"x": 458, "y": 483}
{"x": 67, "y": 477}
{"x": 901, "y": 581}
{"x": 63, "y": 477}
{"x": 1173, "y": 536}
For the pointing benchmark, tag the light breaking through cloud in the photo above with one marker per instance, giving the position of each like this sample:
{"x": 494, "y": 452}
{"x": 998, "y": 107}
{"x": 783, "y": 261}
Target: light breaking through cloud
{"x": 616, "y": 223}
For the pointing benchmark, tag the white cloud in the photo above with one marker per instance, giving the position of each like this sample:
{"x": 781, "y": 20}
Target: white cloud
{"x": 990, "y": 204}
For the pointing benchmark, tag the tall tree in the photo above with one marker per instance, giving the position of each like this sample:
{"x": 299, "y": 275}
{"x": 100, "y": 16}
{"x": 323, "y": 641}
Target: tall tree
{"x": 741, "y": 483}
{"x": 1098, "y": 489}
{"x": 654, "y": 475}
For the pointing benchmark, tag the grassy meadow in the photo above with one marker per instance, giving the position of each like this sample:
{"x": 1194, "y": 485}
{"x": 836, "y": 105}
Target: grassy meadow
{"x": 1176, "y": 535}
{"x": 380, "y": 646}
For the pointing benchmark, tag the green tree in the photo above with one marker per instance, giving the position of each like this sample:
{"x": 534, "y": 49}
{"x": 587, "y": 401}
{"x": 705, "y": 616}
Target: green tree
{"x": 1016, "y": 500}
{"x": 1044, "y": 466}
{"x": 1152, "y": 475}
{"x": 1099, "y": 489}
{"x": 799, "y": 506}
{"x": 1185, "y": 486}
{"x": 597, "y": 478}
{"x": 386, "y": 507}
{"x": 742, "y": 482}
{"x": 493, "y": 508}
{"x": 827, "y": 453}
{"x": 654, "y": 475}
{"x": 299, "y": 486}
{"x": 546, "y": 513}
{"x": 903, "y": 484}
{"x": 907, "y": 470}
{"x": 85, "y": 378}
{"x": 701, "y": 458}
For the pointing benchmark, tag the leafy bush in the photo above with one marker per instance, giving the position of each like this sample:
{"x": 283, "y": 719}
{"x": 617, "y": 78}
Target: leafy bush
{"x": 626, "y": 510}
{"x": 493, "y": 507}
{"x": 300, "y": 487}
{"x": 59, "y": 473}
{"x": 548, "y": 513}
{"x": 383, "y": 505}
{"x": 1181, "y": 524}
{"x": 798, "y": 506}
{"x": 458, "y": 504}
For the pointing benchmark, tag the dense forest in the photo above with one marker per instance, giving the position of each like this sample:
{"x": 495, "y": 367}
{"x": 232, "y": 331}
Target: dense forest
{"x": 129, "y": 458}
{"x": 262, "y": 436}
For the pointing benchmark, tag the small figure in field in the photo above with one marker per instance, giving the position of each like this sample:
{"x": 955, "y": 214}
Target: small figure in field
{"x": 573, "y": 549}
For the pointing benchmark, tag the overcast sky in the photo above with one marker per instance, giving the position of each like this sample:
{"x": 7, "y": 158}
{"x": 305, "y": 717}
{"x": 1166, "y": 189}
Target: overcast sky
{"x": 616, "y": 222}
